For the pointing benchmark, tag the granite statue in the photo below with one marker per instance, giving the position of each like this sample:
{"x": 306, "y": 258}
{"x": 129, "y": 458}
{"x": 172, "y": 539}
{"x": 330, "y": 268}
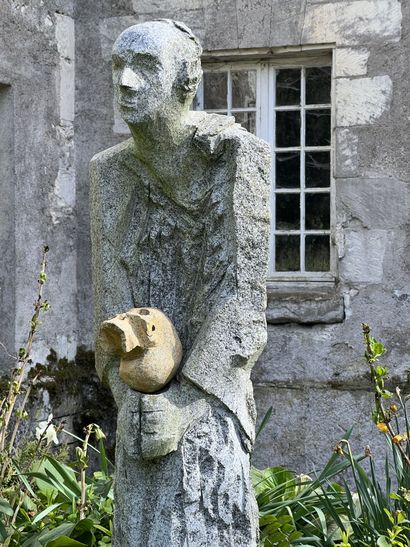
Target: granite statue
{"x": 180, "y": 224}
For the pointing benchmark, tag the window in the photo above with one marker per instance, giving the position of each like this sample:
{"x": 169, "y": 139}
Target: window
{"x": 289, "y": 105}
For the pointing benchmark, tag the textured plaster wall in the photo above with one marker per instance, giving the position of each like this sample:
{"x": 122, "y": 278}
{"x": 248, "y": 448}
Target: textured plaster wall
{"x": 38, "y": 197}
{"x": 58, "y": 65}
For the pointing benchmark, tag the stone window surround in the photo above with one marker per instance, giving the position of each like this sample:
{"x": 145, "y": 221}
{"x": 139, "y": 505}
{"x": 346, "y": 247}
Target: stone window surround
{"x": 297, "y": 298}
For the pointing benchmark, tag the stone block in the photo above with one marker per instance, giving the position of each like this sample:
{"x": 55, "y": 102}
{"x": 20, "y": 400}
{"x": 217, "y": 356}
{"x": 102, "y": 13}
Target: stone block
{"x": 253, "y": 20}
{"x": 379, "y": 203}
{"x": 287, "y": 357}
{"x": 350, "y": 62}
{"x": 153, "y": 6}
{"x": 306, "y": 306}
{"x": 346, "y": 156}
{"x": 307, "y": 422}
{"x": 357, "y": 22}
{"x": 65, "y": 38}
{"x": 364, "y": 256}
{"x": 362, "y": 101}
{"x": 220, "y": 25}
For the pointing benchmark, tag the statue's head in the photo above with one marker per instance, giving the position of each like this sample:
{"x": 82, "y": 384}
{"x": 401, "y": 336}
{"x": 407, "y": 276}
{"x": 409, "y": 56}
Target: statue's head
{"x": 156, "y": 70}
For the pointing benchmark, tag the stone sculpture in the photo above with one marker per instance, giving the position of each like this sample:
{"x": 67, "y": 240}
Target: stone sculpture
{"x": 180, "y": 223}
{"x": 149, "y": 347}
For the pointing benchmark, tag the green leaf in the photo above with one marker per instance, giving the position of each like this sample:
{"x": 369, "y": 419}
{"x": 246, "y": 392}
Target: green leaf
{"x": 84, "y": 525}
{"x": 46, "y": 511}
{"x": 380, "y": 371}
{"x": 66, "y": 473}
{"x": 3, "y": 531}
{"x": 383, "y": 542}
{"x": 6, "y": 508}
{"x": 56, "y": 533}
{"x": 376, "y": 347}
{"x": 65, "y": 541}
{"x": 264, "y": 422}
{"x": 103, "y": 530}
{"x": 24, "y": 480}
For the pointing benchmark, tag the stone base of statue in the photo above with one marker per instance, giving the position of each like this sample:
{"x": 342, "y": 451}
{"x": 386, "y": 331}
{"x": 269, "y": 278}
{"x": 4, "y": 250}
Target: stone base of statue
{"x": 180, "y": 230}
{"x": 199, "y": 495}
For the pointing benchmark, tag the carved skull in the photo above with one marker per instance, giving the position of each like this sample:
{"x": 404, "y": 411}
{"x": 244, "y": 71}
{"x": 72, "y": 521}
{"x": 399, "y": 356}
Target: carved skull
{"x": 148, "y": 345}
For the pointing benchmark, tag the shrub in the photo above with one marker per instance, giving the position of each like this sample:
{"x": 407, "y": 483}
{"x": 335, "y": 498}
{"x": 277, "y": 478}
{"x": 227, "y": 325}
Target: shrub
{"x": 306, "y": 511}
{"x": 46, "y": 500}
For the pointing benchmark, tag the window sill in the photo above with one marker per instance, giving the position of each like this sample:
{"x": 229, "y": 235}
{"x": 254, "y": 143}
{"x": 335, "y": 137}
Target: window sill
{"x": 304, "y": 303}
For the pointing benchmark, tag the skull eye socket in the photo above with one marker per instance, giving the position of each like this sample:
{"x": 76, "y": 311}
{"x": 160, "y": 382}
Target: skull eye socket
{"x": 153, "y": 327}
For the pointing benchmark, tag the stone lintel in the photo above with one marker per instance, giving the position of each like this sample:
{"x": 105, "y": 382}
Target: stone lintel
{"x": 304, "y": 305}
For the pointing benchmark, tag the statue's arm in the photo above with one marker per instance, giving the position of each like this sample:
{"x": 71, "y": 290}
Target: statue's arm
{"x": 234, "y": 333}
{"x": 109, "y": 195}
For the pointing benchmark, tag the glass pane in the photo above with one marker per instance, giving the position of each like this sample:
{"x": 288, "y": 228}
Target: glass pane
{"x": 317, "y": 211}
{"x": 318, "y": 82}
{"x": 287, "y": 170}
{"x": 318, "y": 127}
{"x": 215, "y": 90}
{"x": 287, "y": 211}
{"x": 247, "y": 120}
{"x": 317, "y": 254}
{"x": 244, "y": 89}
{"x": 317, "y": 169}
{"x": 287, "y": 250}
{"x": 288, "y": 128}
{"x": 288, "y": 87}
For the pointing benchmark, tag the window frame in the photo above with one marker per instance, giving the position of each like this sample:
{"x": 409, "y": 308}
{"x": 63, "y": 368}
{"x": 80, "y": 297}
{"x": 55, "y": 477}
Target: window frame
{"x": 266, "y": 68}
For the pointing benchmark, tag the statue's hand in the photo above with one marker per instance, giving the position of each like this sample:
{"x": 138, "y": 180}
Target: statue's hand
{"x": 166, "y": 416}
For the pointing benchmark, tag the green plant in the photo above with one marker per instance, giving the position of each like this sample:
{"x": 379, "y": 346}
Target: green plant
{"x": 320, "y": 512}
{"x": 44, "y": 500}
{"x": 13, "y": 404}
{"x": 59, "y": 504}
{"x": 294, "y": 509}
{"x": 382, "y": 517}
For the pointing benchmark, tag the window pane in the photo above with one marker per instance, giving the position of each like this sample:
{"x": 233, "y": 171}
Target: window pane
{"x": 287, "y": 250}
{"x": 287, "y": 211}
{"x": 318, "y": 127}
{"x": 247, "y": 120}
{"x": 288, "y": 128}
{"x": 288, "y": 87}
{"x": 215, "y": 90}
{"x": 287, "y": 170}
{"x": 317, "y": 254}
{"x": 244, "y": 89}
{"x": 317, "y": 212}
{"x": 318, "y": 82}
{"x": 317, "y": 169}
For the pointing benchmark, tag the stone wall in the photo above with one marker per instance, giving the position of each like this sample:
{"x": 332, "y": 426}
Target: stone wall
{"x": 311, "y": 372}
{"x": 38, "y": 178}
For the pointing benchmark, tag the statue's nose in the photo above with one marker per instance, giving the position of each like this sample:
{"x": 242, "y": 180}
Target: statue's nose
{"x": 129, "y": 79}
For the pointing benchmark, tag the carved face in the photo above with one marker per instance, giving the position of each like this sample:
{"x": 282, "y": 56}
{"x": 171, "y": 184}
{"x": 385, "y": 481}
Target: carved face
{"x": 145, "y": 70}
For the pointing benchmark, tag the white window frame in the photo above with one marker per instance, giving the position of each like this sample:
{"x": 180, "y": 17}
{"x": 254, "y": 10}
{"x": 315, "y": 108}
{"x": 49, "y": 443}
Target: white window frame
{"x": 265, "y": 112}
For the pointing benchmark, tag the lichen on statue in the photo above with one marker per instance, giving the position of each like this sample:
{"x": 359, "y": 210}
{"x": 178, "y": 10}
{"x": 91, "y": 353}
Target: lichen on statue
{"x": 180, "y": 224}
